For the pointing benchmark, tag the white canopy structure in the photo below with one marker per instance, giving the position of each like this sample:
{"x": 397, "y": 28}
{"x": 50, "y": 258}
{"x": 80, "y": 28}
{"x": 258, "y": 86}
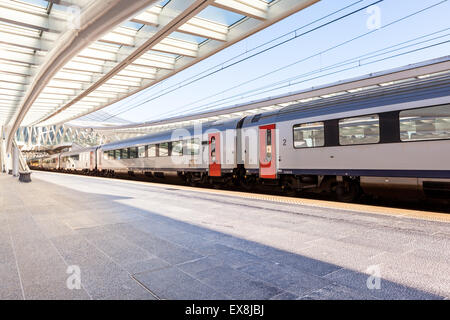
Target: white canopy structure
{"x": 62, "y": 59}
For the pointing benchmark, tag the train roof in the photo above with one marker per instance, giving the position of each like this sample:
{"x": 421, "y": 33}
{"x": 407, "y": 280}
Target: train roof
{"x": 360, "y": 100}
{"x": 78, "y": 151}
{"x": 162, "y": 136}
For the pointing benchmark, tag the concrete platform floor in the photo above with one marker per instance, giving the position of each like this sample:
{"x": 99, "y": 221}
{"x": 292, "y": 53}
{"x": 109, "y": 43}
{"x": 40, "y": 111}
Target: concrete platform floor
{"x": 134, "y": 240}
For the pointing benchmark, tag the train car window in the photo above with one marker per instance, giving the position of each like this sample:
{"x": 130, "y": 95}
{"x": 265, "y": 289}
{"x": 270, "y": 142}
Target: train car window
{"x": 106, "y": 155}
{"x": 111, "y": 154}
{"x": 309, "y": 135}
{"x": 425, "y": 124}
{"x": 117, "y": 155}
{"x": 269, "y": 144}
{"x": 256, "y": 117}
{"x": 177, "y": 148}
{"x": 151, "y": 151}
{"x": 269, "y": 137}
{"x": 125, "y": 153}
{"x": 141, "y": 152}
{"x": 164, "y": 149}
{"x": 359, "y": 130}
{"x": 133, "y": 153}
{"x": 193, "y": 147}
{"x": 75, "y": 157}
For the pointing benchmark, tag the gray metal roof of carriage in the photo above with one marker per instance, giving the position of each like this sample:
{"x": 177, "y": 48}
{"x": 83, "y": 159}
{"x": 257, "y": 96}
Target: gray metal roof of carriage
{"x": 181, "y": 133}
{"x": 420, "y": 89}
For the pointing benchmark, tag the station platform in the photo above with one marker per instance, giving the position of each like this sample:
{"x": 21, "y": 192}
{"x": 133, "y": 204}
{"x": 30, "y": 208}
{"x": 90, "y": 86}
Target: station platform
{"x": 76, "y": 237}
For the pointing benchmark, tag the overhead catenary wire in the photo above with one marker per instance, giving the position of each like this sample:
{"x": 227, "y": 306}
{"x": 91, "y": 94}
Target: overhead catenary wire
{"x": 299, "y": 61}
{"x": 358, "y": 60}
{"x": 290, "y": 83}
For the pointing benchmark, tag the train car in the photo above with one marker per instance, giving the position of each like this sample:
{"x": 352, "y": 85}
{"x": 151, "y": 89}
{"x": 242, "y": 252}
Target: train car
{"x": 81, "y": 160}
{"x": 49, "y": 163}
{"x": 203, "y": 154}
{"x": 378, "y": 141}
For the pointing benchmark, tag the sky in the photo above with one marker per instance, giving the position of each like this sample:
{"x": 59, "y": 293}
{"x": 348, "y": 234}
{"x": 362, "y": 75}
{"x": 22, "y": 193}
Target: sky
{"x": 305, "y": 60}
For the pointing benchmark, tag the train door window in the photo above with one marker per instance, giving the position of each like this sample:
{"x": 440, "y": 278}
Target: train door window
{"x": 133, "y": 153}
{"x": 309, "y": 135}
{"x": 151, "y": 151}
{"x": 164, "y": 149}
{"x": 425, "y": 124}
{"x": 359, "y": 130}
{"x": 141, "y": 152}
{"x": 117, "y": 154}
{"x": 213, "y": 149}
{"x": 75, "y": 157}
{"x": 193, "y": 147}
{"x": 177, "y": 148}
{"x": 125, "y": 154}
{"x": 269, "y": 143}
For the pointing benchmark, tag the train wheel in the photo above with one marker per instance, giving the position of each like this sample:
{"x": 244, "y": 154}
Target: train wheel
{"x": 248, "y": 183}
{"x": 347, "y": 191}
{"x": 288, "y": 191}
{"x": 190, "y": 181}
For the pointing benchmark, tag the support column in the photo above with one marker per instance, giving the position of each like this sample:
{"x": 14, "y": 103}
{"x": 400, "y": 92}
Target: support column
{"x": 15, "y": 161}
{"x": 3, "y": 152}
{"x": 8, "y": 162}
{"x": 2, "y": 156}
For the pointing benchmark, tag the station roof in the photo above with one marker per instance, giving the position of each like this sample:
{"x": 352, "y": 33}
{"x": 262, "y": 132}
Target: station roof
{"x": 62, "y": 59}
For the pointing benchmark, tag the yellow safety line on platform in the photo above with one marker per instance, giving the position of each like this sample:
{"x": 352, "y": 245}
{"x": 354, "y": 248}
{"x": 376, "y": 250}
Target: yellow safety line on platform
{"x": 396, "y": 212}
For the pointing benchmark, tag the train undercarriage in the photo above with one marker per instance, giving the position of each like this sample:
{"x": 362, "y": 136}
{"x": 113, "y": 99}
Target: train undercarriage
{"x": 344, "y": 189}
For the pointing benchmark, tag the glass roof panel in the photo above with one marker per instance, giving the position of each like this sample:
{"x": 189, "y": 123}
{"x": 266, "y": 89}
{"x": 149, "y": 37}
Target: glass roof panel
{"x": 37, "y": 3}
{"x": 219, "y": 15}
{"x": 187, "y": 37}
{"x": 132, "y": 25}
{"x": 164, "y": 2}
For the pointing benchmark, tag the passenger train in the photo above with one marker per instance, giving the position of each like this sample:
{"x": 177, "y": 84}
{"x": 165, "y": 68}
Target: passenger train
{"x": 389, "y": 140}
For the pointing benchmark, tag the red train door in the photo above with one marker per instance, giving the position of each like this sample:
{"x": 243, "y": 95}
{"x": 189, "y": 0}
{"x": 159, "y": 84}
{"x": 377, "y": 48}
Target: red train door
{"x": 267, "y": 152}
{"x": 215, "y": 169}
